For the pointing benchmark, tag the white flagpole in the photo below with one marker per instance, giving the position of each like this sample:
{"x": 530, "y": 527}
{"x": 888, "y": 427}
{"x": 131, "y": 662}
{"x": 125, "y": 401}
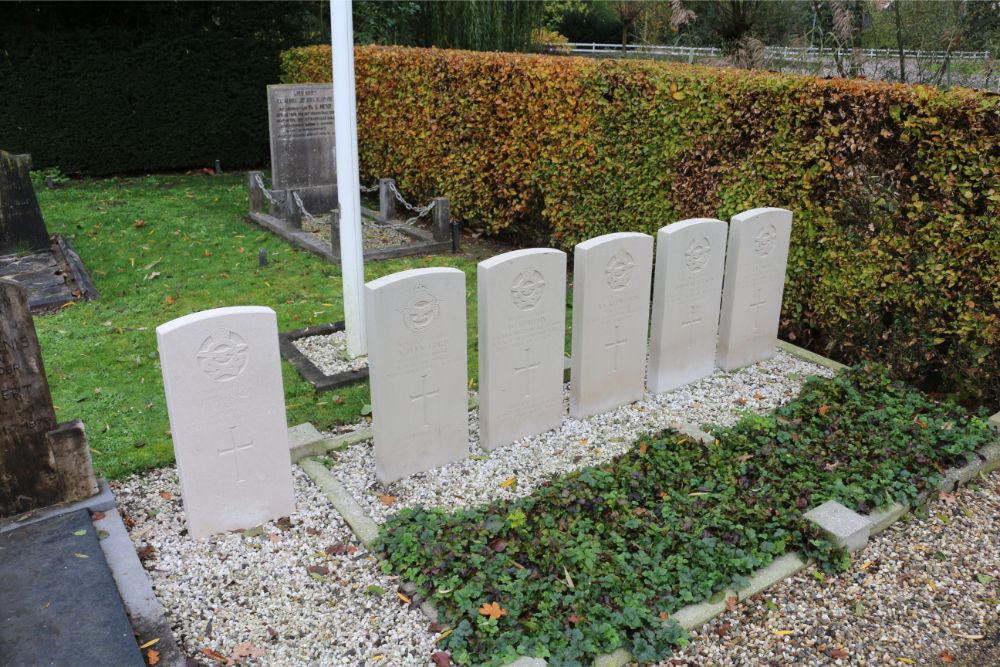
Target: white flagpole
{"x": 352, "y": 260}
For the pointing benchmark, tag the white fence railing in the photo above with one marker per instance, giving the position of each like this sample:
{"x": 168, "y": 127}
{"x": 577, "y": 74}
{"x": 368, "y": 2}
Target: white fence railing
{"x": 784, "y": 52}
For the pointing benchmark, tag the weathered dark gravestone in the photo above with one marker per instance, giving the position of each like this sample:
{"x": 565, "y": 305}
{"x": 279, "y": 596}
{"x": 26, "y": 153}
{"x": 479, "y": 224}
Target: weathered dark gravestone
{"x": 41, "y": 463}
{"x": 21, "y": 225}
{"x": 302, "y": 143}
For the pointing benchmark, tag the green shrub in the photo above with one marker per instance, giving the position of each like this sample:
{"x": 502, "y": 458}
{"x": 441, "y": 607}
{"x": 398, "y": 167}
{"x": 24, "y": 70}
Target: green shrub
{"x": 895, "y": 246}
{"x": 598, "y": 558}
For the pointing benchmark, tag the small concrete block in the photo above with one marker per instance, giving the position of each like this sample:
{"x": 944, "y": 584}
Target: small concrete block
{"x": 619, "y": 658}
{"x": 694, "y": 432}
{"x": 995, "y": 421}
{"x": 844, "y": 527}
{"x": 882, "y": 518}
{"x": 779, "y": 570}
{"x": 300, "y": 440}
{"x": 991, "y": 456}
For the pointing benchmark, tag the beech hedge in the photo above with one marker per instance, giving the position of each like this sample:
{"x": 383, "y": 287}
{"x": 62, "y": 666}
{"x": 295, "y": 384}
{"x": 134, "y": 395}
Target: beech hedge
{"x": 895, "y": 189}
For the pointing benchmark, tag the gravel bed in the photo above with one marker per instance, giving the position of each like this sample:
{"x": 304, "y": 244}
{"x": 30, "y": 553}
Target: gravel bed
{"x": 234, "y": 588}
{"x": 329, "y": 353}
{"x": 924, "y": 592}
{"x": 374, "y": 236}
{"x": 483, "y": 478}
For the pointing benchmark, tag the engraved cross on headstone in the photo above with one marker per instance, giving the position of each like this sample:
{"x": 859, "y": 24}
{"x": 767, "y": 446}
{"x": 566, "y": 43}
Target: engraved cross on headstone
{"x": 526, "y": 369}
{"x": 755, "y": 307}
{"x": 235, "y": 450}
{"x": 614, "y": 345}
{"x": 424, "y": 397}
{"x": 694, "y": 319}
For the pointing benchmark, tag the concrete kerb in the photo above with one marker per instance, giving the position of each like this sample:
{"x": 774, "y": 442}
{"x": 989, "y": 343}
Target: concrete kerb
{"x": 806, "y": 355}
{"x": 143, "y": 608}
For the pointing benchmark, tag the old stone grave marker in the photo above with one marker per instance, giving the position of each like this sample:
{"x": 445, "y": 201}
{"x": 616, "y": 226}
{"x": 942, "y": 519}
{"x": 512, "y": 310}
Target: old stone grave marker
{"x": 522, "y": 326}
{"x": 752, "y": 289}
{"x": 302, "y": 143}
{"x": 610, "y": 321}
{"x": 690, "y": 259}
{"x": 21, "y": 225}
{"x": 222, "y": 377}
{"x": 41, "y": 463}
{"x": 418, "y": 370}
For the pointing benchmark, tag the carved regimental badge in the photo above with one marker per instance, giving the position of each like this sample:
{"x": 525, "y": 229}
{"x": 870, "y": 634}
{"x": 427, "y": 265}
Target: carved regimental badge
{"x": 223, "y": 355}
{"x": 420, "y": 310}
{"x": 620, "y": 269}
{"x": 527, "y": 289}
{"x": 697, "y": 254}
{"x": 763, "y": 243}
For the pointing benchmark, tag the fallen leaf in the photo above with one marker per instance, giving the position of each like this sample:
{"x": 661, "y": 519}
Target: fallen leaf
{"x": 510, "y": 481}
{"x": 247, "y": 650}
{"x": 435, "y": 627}
{"x": 146, "y": 552}
{"x": 139, "y": 224}
{"x": 318, "y": 569}
{"x": 574, "y": 619}
{"x": 214, "y": 655}
{"x": 745, "y": 457}
{"x": 823, "y": 409}
{"x": 80, "y": 555}
{"x": 150, "y": 643}
{"x": 782, "y": 633}
{"x": 947, "y": 498}
{"x": 664, "y": 616}
{"x": 274, "y": 537}
{"x": 441, "y": 659}
{"x": 387, "y": 500}
{"x": 312, "y": 531}
{"x": 404, "y": 598}
{"x": 569, "y": 579}
{"x": 97, "y": 516}
{"x": 759, "y": 396}
{"x": 80, "y": 533}
{"x": 493, "y": 610}
{"x": 272, "y": 633}
{"x": 166, "y": 495}
{"x": 839, "y": 654}
{"x": 741, "y": 401}
{"x": 152, "y": 657}
{"x": 723, "y": 629}
{"x": 962, "y": 635}
{"x": 499, "y": 544}
{"x": 947, "y": 658}
{"x": 643, "y": 448}
{"x": 731, "y": 602}
{"x": 169, "y": 300}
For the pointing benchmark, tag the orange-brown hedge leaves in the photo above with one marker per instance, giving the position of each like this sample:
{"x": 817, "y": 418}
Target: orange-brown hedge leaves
{"x": 896, "y": 189}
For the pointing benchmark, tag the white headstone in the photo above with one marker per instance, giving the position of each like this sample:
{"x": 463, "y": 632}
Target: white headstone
{"x": 610, "y": 321}
{"x": 418, "y": 368}
{"x": 522, "y": 331}
{"x": 753, "y": 286}
{"x": 690, "y": 259}
{"x": 222, "y": 376}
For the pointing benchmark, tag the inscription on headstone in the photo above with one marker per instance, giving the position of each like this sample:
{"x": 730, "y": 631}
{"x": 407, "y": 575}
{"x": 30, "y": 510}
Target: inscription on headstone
{"x": 753, "y": 286}
{"x": 610, "y": 321}
{"x": 418, "y": 370}
{"x": 522, "y": 328}
{"x": 222, "y": 377}
{"x": 21, "y": 224}
{"x": 302, "y": 143}
{"x": 41, "y": 463}
{"x": 690, "y": 259}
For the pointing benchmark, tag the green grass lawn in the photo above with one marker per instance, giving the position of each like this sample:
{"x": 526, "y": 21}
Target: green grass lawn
{"x": 158, "y": 248}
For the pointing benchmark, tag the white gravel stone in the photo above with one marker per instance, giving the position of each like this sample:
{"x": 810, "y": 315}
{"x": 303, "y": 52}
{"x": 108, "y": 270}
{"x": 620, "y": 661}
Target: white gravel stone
{"x": 485, "y": 477}
{"x": 329, "y": 353}
{"x": 374, "y": 237}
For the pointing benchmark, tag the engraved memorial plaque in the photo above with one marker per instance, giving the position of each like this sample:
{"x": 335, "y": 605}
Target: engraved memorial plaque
{"x": 222, "y": 377}
{"x": 303, "y": 152}
{"x": 610, "y": 321}
{"x": 418, "y": 370}
{"x": 522, "y": 327}
{"x": 753, "y": 286}
{"x": 687, "y": 292}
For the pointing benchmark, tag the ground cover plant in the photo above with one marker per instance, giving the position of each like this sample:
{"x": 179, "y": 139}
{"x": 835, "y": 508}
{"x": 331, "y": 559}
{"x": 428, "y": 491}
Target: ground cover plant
{"x": 160, "y": 247}
{"x": 600, "y": 558}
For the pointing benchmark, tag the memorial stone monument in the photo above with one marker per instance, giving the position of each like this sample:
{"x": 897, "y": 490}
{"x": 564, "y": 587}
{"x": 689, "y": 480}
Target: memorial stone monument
{"x": 690, "y": 259}
{"x": 522, "y": 329}
{"x": 21, "y": 225}
{"x": 302, "y": 143}
{"x": 41, "y": 463}
{"x": 418, "y": 368}
{"x": 756, "y": 257}
{"x": 610, "y": 321}
{"x": 222, "y": 378}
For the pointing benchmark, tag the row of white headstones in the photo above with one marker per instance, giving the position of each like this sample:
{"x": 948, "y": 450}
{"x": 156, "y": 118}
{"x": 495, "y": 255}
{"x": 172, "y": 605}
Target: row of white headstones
{"x": 222, "y": 374}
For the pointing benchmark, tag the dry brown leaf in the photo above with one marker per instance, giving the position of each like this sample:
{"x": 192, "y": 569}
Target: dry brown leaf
{"x": 215, "y": 655}
{"x": 441, "y": 659}
{"x": 823, "y": 409}
{"x": 493, "y": 610}
{"x": 247, "y": 650}
{"x": 947, "y": 658}
{"x": 152, "y": 657}
{"x": 166, "y": 495}
{"x": 387, "y": 500}
{"x": 839, "y": 654}
{"x": 168, "y": 299}
{"x": 664, "y": 616}
{"x": 731, "y": 602}
{"x": 318, "y": 569}
{"x": 97, "y": 516}
{"x": 948, "y": 498}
